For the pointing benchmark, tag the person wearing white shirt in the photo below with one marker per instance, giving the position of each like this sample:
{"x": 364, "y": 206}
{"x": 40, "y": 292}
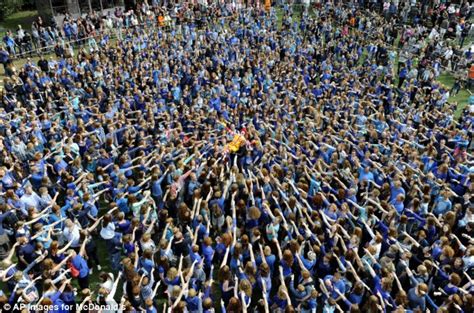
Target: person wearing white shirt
{"x": 107, "y": 281}
{"x": 447, "y": 56}
{"x": 71, "y": 233}
{"x": 31, "y": 198}
{"x": 451, "y": 9}
{"x": 108, "y": 228}
{"x": 468, "y": 259}
{"x": 20, "y": 33}
{"x": 306, "y": 4}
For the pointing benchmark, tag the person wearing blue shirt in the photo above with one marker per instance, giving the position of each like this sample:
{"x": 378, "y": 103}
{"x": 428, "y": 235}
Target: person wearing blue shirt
{"x": 333, "y": 282}
{"x": 193, "y": 302}
{"x": 149, "y": 306}
{"x": 442, "y": 204}
{"x": 6, "y": 179}
{"x": 310, "y": 262}
{"x": 78, "y": 261}
{"x": 396, "y": 189}
{"x": 417, "y": 297}
{"x": 208, "y": 252}
{"x": 365, "y": 174}
{"x": 194, "y": 254}
{"x": 398, "y": 203}
{"x": 269, "y": 258}
{"x": 122, "y": 203}
{"x": 156, "y": 190}
{"x": 193, "y": 184}
{"x": 402, "y": 76}
{"x": 146, "y": 261}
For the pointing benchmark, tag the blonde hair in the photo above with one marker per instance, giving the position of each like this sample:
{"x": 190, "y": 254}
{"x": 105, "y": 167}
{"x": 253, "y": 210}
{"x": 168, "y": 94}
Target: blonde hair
{"x": 246, "y": 287}
{"x": 281, "y": 292}
{"x": 254, "y": 213}
{"x": 175, "y": 291}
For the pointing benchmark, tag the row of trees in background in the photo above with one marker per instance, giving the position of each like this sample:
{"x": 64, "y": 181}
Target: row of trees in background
{"x": 8, "y": 7}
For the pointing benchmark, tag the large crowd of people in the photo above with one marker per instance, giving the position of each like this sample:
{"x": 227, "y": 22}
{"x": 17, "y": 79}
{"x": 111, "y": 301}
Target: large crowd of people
{"x": 233, "y": 161}
{"x": 90, "y": 29}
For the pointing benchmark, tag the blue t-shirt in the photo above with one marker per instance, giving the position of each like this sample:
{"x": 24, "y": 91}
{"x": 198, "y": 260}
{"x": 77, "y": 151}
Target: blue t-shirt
{"x": 81, "y": 264}
{"x": 286, "y": 269}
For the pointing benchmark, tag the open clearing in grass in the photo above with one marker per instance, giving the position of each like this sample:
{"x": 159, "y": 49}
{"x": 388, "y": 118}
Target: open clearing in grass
{"x": 23, "y": 18}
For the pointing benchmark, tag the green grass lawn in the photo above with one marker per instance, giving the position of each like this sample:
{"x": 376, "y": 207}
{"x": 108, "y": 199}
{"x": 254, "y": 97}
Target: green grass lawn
{"x": 23, "y": 18}
{"x": 461, "y": 98}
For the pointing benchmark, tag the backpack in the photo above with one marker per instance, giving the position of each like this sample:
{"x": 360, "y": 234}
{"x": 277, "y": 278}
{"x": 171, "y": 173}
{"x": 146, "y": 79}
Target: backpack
{"x": 74, "y": 270}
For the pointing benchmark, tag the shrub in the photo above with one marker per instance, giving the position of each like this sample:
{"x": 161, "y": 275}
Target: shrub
{"x": 8, "y": 7}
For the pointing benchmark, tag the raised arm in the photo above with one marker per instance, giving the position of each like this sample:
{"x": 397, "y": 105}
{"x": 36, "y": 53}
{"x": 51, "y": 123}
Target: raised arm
{"x": 280, "y": 254}
{"x": 94, "y": 226}
{"x": 60, "y": 264}
{"x": 135, "y": 262}
{"x": 226, "y": 255}
{"x": 11, "y": 253}
{"x": 82, "y": 250}
{"x": 185, "y": 286}
{"x": 155, "y": 289}
{"x": 111, "y": 295}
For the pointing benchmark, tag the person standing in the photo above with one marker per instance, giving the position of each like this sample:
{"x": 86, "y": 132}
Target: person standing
{"x": 464, "y": 33}
{"x": 4, "y": 58}
{"x": 402, "y": 75}
{"x": 78, "y": 265}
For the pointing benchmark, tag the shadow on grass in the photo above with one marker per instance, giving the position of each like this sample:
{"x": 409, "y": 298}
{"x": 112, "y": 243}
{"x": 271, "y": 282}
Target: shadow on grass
{"x": 461, "y": 98}
{"x": 23, "y": 18}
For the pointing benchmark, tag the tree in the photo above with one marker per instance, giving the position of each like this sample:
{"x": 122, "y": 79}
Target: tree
{"x": 8, "y": 7}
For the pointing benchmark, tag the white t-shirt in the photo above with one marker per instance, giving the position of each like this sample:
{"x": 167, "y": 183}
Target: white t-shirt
{"x": 108, "y": 232}
{"x": 72, "y": 235}
{"x": 108, "y": 284}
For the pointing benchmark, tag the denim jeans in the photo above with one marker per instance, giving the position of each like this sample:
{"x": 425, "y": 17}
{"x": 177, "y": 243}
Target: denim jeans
{"x": 115, "y": 261}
